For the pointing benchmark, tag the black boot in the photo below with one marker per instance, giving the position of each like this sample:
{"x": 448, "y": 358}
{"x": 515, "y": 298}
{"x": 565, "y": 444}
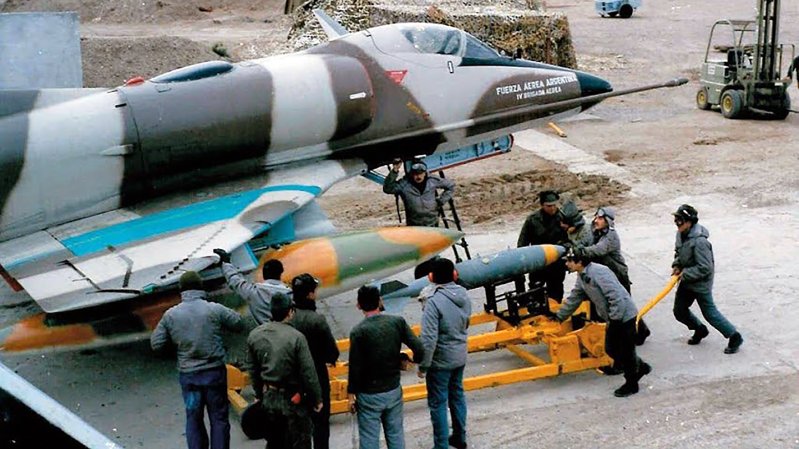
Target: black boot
{"x": 643, "y": 369}
{"x": 735, "y": 342}
{"x": 628, "y": 389}
{"x": 699, "y": 334}
{"x": 456, "y": 443}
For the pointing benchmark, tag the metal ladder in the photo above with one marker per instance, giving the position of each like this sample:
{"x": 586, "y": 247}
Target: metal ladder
{"x": 455, "y": 222}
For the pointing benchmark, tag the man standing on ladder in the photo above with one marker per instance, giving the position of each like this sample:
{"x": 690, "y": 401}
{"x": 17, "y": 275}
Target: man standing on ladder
{"x": 418, "y": 192}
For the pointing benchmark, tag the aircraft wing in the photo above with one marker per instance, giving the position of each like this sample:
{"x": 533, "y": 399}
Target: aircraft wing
{"x": 67, "y": 269}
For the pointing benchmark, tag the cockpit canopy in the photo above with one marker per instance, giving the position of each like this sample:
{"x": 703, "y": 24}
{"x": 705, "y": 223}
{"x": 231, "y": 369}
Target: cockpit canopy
{"x": 429, "y": 38}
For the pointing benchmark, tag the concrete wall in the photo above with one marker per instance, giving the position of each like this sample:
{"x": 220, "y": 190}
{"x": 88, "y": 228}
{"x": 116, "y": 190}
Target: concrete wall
{"x": 40, "y": 50}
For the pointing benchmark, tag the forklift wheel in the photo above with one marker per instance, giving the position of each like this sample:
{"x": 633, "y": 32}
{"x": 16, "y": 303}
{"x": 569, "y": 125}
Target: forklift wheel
{"x": 731, "y": 104}
{"x": 626, "y": 12}
{"x": 701, "y": 99}
{"x": 782, "y": 113}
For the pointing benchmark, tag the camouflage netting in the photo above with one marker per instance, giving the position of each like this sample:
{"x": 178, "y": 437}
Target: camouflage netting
{"x": 519, "y": 28}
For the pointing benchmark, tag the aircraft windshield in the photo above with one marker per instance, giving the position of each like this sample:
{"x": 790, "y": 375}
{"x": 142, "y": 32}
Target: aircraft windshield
{"x": 434, "y": 39}
{"x": 476, "y": 49}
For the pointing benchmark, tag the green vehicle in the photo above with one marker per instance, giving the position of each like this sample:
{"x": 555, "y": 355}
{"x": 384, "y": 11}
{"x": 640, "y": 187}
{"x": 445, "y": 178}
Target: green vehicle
{"x": 748, "y": 80}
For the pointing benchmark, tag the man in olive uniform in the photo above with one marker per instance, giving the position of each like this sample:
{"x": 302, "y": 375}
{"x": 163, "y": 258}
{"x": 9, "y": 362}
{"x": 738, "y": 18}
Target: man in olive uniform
{"x": 283, "y": 373}
{"x": 323, "y": 348}
{"x": 543, "y": 227}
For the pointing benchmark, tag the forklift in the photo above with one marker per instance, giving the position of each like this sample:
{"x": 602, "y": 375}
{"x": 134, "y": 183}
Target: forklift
{"x": 748, "y": 81}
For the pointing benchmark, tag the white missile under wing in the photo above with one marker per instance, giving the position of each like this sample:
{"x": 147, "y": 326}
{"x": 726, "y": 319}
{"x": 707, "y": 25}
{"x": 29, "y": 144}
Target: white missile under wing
{"x": 120, "y": 255}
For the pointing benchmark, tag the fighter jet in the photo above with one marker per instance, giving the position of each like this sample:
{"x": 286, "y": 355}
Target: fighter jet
{"x": 99, "y": 193}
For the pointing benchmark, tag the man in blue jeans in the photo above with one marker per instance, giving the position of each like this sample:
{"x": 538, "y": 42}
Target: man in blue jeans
{"x": 374, "y": 371}
{"x": 195, "y": 327}
{"x": 445, "y": 321}
{"x": 694, "y": 264}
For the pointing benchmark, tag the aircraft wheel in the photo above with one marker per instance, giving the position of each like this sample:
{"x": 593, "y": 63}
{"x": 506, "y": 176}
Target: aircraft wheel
{"x": 626, "y": 12}
{"x": 613, "y": 14}
{"x": 701, "y": 99}
{"x": 732, "y": 104}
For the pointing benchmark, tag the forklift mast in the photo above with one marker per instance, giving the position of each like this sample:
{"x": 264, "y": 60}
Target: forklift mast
{"x": 766, "y": 63}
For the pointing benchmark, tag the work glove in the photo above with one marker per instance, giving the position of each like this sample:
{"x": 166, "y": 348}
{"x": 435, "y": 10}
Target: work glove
{"x": 224, "y": 256}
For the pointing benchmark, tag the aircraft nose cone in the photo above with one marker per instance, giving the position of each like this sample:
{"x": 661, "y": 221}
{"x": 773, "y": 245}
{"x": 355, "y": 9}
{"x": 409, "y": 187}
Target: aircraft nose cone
{"x": 592, "y": 85}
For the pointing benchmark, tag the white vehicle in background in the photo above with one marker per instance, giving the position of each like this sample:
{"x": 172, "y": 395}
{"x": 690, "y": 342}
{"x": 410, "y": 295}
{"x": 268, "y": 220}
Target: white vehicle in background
{"x": 613, "y": 8}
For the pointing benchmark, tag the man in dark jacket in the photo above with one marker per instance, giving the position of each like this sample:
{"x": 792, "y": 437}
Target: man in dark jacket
{"x": 606, "y": 250}
{"x": 374, "y": 371}
{"x": 195, "y": 327}
{"x": 615, "y": 306}
{"x": 544, "y": 227}
{"x": 418, "y": 192}
{"x": 323, "y": 348}
{"x": 445, "y": 320}
{"x": 694, "y": 264}
{"x": 282, "y": 372}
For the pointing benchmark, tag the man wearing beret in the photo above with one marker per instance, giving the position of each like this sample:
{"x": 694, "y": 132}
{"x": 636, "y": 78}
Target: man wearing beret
{"x": 544, "y": 227}
{"x": 195, "y": 327}
{"x": 322, "y": 345}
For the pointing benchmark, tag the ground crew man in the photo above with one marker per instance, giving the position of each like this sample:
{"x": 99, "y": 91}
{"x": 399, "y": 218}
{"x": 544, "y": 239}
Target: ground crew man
{"x": 418, "y": 192}
{"x": 374, "y": 371}
{"x": 606, "y": 250}
{"x": 543, "y": 227}
{"x": 615, "y": 306}
{"x": 284, "y": 378}
{"x": 257, "y": 295}
{"x": 322, "y": 345}
{"x": 195, "y": 327}
{"x": 445, "y": 320}
{"x": 694, "y": 264}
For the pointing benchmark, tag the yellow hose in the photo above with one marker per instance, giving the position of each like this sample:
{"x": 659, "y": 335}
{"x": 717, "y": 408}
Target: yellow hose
{"x": 652, "y": 302}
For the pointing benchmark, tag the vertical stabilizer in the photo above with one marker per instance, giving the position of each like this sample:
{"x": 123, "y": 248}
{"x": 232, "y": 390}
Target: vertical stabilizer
{"x": 332, "y": 28}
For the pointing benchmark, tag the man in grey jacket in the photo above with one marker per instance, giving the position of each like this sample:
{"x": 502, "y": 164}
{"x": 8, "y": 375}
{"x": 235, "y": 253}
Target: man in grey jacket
{"x": 606, "y": 250}
{"x": 257, "y": 295}
{"x": 694, "y": 264}
{"x": 195, "y": 327}
{"x": 418, "y": 192}
{"x": 614, "y": 305}
{"x": 445, "y": 321}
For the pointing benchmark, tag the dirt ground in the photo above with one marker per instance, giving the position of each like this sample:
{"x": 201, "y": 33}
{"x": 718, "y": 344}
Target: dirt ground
{"x": 645, "y": 153}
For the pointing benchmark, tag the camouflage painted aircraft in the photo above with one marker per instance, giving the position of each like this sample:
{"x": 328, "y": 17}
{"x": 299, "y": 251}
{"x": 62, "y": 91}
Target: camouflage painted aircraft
{"x": 98, "y": 198}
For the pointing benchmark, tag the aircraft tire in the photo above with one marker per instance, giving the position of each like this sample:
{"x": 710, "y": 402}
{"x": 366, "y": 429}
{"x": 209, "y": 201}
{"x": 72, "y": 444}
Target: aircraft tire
{"x": 626, "y": 11}
{"x": 701, "y": 99}
{"x": 731, "y": 104}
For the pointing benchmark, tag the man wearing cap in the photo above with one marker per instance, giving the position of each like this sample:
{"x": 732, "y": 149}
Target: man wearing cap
{"x": 418, "y": 192}
{"x": 323, "y": 348}
{"x": 283, "y": 373}
{"x": 257, "y": 295}
{"x": 694, "y": 264}
{"x": 543, "y": 227}
{"x": 195, "y": 327}
{"x": 615, "y": 306}
{"x": 445, "y": 321}
{"x": 374, "y": 371}
{"x": 606, "y": 250}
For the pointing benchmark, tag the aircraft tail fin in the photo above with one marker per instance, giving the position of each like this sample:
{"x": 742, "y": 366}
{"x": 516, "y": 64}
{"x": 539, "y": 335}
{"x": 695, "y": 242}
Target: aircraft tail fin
{"x": 332, "y": 28}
